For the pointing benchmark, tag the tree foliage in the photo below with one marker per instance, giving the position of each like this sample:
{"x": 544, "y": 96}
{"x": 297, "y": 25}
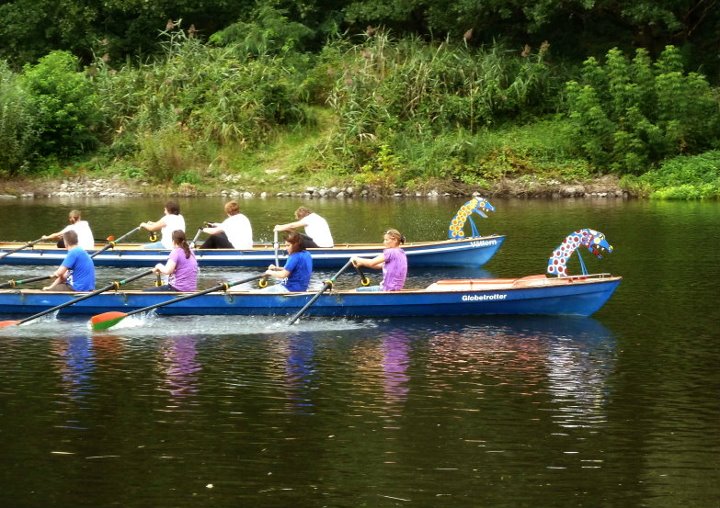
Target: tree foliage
{"x": 64, "y": 105}
{"x": 631, "y": 114}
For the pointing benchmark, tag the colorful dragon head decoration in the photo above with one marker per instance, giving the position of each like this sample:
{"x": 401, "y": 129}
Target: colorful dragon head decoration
{"x": 457, "y": 224}
{"x": 593, "y": 240}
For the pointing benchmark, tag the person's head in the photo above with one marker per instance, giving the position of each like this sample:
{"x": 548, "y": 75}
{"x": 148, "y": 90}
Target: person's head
{"x": 171, "y": 207}
{"x": 179, "y": 239}
{"x": 393, "y": 238}
{"x": 302, "y": 212}
{"x": 294, "y": 242}
{"x": 74, "y": 216}
{"x": 70, "y": 238}
{"x": 232, "y": 208}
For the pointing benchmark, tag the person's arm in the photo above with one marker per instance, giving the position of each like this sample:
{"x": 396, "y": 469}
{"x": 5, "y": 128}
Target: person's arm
{"x": 56, "y": 236}
{"x": 167, "y": 268}
{"x": 289, "y": 225}
{"x": 213, "y": 229}
{"x": 277, "y": 272}
{"x": 60, "y": 276}
{"x": 375, "y": 262}
{"x": 153, "y": 226}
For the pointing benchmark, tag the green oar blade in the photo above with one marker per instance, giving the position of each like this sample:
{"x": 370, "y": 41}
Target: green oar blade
{"x": 106, "y": 320}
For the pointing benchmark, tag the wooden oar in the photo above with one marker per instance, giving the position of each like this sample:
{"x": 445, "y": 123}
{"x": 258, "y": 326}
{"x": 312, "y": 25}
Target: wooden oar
{"x": 115, "y": 285}
{"x": 109, "y": 319}
{"x": 13, "y": 283}
{"x": 111, "y": 243}
{"x": 276, "y": 246}
{"x": 29, "y": 244}
{"x": 328, "y": 284}
{"x": 195, "y": 239}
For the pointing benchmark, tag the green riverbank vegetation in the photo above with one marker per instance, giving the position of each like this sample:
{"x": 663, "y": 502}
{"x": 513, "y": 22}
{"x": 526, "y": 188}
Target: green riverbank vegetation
{"x": 273, "y": 102}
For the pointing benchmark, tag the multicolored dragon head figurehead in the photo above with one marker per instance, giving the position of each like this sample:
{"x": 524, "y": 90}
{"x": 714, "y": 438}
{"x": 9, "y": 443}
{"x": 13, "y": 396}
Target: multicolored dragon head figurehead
{"x": 457, "y": 224}
{"x": 593, "y": 240}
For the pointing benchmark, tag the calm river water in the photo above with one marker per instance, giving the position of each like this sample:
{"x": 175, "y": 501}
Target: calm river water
{"x": 618, "y": 410}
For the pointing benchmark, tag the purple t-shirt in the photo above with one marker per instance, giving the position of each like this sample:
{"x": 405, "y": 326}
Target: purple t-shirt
{"x": 394, "y": 269}
{"x": 184, "y": 278}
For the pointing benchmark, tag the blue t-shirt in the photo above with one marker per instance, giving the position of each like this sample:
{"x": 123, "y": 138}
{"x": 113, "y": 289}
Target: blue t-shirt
{"x": 82, "y": 269}
{"x": 299, "y": 264}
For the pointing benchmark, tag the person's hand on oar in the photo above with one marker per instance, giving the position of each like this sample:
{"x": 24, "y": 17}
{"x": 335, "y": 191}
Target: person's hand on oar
{"x": 111, "y": 241}
{"x": 115, "y": 285}
{"x": 109, "y": 319}
{"x": 14, "y": 283}
{"x": 18, "y": 249}
{"x": 326, "y": 285}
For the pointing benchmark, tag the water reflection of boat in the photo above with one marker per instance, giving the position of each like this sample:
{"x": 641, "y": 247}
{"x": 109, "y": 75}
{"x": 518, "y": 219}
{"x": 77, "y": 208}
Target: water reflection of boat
{"x": 179, "y": 365}
{"x": 565, "y": 361}
{"x": 75, "y": 362}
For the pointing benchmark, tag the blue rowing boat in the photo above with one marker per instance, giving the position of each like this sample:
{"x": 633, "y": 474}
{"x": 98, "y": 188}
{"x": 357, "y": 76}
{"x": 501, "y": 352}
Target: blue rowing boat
{"x": 468, "y": 252}
{"x": 538, "y": 294}
{"x": 458, "y": 250}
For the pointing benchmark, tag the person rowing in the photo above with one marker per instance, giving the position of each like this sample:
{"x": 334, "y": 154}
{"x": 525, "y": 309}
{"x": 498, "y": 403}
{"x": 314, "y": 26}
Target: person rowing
{"x": 317, "y": 231}
{"x": 77, "y": 271}
{"x": 81, "y": 227}
{"x": 235, "y": 232}
{"x": 181, "y": 266}
{"x": 297, "y": 270}
{"x": 392, "y": 261}
{"x": 171, "y": 221}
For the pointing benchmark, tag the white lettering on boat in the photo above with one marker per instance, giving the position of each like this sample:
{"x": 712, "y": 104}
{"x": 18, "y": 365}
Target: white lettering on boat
{"x": 483, "y": 298}
{"x": 483, "y": 243}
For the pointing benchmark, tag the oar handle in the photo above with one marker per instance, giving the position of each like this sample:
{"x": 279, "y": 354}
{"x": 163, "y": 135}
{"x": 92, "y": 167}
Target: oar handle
{"x": 276, "y": 247}
{"x": 218, "y": 287}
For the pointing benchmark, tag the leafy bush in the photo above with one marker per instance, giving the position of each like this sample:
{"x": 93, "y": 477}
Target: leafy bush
{"x": 629, "y": 115}
{"x": 64, "y": 105}
{"x": 17, "y": 125}
{"x": 684, "y": 177}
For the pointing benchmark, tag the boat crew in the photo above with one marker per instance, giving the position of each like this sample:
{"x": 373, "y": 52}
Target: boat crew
{"x": 392, "y": 261}
{"x": 316, "y": 228}
{"x": 235, "y": 232}
{"x": 171, "y": 221}
{"x": 77, "y": 271}
{"x": 81, "y": 227}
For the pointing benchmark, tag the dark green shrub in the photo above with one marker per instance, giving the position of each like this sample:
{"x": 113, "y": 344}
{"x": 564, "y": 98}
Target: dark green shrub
{"x": 629, "y": 115}
{"x": 64, "y": 105}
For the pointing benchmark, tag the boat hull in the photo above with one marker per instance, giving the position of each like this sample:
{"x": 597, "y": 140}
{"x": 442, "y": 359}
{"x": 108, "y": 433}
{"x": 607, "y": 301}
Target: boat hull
{"x": 573, "y": 296}
{"x": 470, "y": 252}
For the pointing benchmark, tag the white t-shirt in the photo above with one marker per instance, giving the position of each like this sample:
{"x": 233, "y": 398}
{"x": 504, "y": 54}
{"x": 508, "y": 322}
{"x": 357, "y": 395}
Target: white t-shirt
{"x": 238, "y": 230}
{"x": 85, "y": 236}
{"x": 172, "y": 223}
{"x": 317, "y": 228}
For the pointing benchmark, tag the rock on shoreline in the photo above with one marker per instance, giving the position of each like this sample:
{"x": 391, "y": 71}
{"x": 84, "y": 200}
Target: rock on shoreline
{"x": 604, "y": 187}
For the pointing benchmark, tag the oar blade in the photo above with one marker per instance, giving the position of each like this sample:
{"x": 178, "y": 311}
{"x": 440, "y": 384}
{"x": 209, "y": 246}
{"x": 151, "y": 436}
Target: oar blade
{"x": 106, "y": 320}
{"x": 3, "y": 324}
